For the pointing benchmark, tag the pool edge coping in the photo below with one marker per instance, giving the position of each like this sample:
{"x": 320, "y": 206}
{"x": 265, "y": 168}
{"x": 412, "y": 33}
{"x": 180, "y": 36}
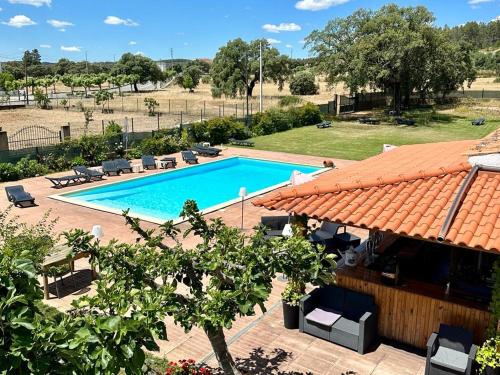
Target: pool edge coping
{"x": 151, "y": 219}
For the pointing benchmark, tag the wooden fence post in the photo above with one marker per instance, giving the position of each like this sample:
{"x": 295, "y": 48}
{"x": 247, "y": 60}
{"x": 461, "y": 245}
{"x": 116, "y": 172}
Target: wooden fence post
{"x": 102, "y": 125}
{"x": 222, "y": 109}
{"x": 186, "y": 106}
{"x": 201, "y": 115}
{"x": 168, "y": 106}
{"x": 137, "y": 107}
{"x": 181, "y": 118}
{"x": 132, "y": 124}
{"x": 158, "y": 120}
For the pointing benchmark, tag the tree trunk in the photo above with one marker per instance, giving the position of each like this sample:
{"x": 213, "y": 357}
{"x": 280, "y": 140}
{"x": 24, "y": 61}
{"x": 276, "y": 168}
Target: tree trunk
{"x": 251, "y": 85}
{"x": 219, "y": 345}
{"x": 397, "y": 98}
{"x": 135, "y": 87}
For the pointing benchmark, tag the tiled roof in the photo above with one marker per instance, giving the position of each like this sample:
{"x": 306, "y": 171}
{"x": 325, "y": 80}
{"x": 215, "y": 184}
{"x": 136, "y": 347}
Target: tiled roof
{"x": 408, "y": 191}
{"x": 488, "y": 145}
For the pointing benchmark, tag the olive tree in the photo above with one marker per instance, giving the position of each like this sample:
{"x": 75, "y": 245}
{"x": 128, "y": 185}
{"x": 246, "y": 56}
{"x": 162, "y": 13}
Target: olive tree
{"x": 235, "y": 69}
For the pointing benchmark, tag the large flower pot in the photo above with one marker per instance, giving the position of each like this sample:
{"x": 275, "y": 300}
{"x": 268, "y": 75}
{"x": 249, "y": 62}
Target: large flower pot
{"x": 491, "y": 371}
{"x": 290, "y": 316}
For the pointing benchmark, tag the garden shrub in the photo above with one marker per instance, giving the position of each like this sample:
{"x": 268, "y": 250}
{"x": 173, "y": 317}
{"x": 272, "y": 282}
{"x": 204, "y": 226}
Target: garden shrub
{"x": 218, "y": 130}
{"x": 8, "y": 172}
{"x": 163, "y": 142}
{"x": 272, "y": 121}
{"x": 94, "y": 149}
{"x": 113, "y": 128}
{"x": 31, "y": 168}
{"x": 308, "y": 114}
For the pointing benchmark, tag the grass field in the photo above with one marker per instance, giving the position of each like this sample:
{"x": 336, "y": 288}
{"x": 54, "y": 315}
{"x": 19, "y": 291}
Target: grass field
{"x": 351, "y": 140}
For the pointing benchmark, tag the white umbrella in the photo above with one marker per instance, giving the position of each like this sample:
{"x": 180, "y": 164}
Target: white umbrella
{"x": 298, "y": 178}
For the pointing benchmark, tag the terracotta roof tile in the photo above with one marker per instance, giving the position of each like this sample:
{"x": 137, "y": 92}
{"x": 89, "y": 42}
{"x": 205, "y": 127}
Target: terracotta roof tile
{"x": 408, "y": 191}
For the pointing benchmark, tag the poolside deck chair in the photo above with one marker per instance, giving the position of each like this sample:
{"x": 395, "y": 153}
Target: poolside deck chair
{"x": 205, "y": 151}
{"x": 241, "y": 142}
{"x": 405, "y": 121}
{"x": 189, "y": 157}
{"x": 479, "y": 121}
{"x": 91, "y": 174}
{"x": 64, "y": 181}
{"x": 109, "y": 168}
{"x": 148, "y": 162}
{"x": 123, "y": 165}
{"x": 19, "y": 197}
{"x": 324, "y": 124}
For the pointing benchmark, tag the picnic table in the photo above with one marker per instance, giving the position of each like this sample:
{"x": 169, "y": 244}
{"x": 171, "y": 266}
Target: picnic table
{"x": 62, "y": 255}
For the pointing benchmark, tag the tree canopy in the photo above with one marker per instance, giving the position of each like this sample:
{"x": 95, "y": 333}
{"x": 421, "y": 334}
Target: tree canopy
{"x": 143, "y": 67}
{"x": 395, "y": 49}
{"x": 235, "y": 69}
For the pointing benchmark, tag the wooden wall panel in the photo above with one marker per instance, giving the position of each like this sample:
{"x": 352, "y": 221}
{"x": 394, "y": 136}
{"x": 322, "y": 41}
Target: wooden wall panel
{"x": 411, "y": 318}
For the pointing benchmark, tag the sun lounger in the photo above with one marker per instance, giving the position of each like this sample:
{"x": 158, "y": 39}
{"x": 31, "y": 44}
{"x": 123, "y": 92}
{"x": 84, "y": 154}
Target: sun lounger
{"x": 90, "y": 173}
{"x": 324, "y": 124}
{"x": 205, "y": 151}
{"x": 189, "y": 157}
{"x": 123, "y": 165}
{"x": 369, "y": 120}
{"x": 405, "y": 121}
{"x": 241, "y": 142}
{"x": 479, "y": 122}
{"x": 148, "y": 162}
{"x": 109, "y": 168}
{"x": 18, "y": 196}
{"x": 60, "y": 182}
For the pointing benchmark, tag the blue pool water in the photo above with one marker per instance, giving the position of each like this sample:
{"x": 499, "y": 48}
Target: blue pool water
{"x": 162, "y": 196}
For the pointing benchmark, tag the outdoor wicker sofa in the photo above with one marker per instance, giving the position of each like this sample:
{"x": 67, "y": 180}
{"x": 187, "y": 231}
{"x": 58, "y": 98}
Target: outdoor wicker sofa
{"x": 339, "y": 315}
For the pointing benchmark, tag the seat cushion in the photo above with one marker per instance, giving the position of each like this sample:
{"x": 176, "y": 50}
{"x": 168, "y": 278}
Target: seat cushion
{"x": 450, "y": 359}
{"x": 345, "y": 332}
{"x": 323, "y": 316}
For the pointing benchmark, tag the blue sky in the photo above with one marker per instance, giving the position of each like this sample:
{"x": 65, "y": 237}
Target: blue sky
{"x": 192, "y": 28}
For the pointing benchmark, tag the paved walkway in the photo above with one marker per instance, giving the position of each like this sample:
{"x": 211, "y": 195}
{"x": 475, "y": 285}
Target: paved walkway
{"x": 261, "y": 343}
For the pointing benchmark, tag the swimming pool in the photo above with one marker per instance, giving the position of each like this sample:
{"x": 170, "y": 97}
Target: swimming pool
{"x": 212, "y": 185}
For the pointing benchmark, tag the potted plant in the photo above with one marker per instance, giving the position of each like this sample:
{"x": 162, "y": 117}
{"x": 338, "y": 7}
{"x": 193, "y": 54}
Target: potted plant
{"x": 301, "y": 263}
{"x": 290, "y": 298}
{"x": 488, "y": 357}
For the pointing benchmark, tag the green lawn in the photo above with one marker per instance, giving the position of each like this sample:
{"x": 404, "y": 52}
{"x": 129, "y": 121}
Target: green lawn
{"x": 351, "y": 140}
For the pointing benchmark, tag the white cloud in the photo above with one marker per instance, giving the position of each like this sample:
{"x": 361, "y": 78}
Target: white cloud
{"x": 45, "y": 46}
{"x": 113, "y": 20}
{"x": 132, "y": 43}
{"x": 281, "y": 27}
{"x": 315, "y": 5}
{"x": 289, "y": 46}
{"x": 497, "y": 18}
{"x": 302, "y": 41}
{"x": 476, "y": 2}
{"x": 71, "y": 49}
{"x": 140, "y": 53}
{"x": 35, "y": 3}
{"x": 20, "y": 21}
{"x": 273, "y": 41}
{"x": 59, "y": 25}
{"x": 0, "y": 9}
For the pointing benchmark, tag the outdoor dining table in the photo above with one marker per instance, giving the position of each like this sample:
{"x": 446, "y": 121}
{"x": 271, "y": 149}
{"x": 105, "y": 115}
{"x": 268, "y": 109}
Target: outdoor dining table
{"x": 62, "y": 255}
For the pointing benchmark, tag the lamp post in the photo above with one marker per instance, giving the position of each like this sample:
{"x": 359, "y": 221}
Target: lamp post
{"x": 242, "y": 193}
{"x": 98, "y": 233}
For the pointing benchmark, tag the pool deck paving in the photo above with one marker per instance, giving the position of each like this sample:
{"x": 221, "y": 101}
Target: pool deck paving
{"x": 260, "y": 343}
